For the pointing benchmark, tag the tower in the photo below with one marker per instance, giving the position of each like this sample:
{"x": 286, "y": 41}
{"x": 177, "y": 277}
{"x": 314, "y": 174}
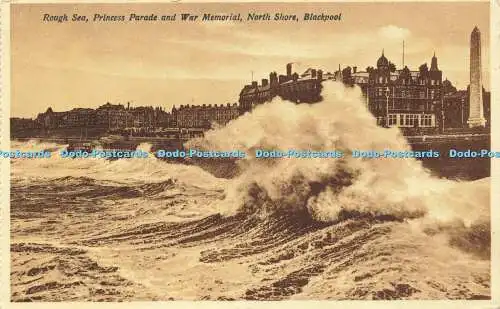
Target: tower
{"x": 476, "y": 115}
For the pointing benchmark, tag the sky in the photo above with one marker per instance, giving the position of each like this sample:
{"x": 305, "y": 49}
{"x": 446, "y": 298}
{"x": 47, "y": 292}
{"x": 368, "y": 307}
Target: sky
{"x": 86, "y": 64}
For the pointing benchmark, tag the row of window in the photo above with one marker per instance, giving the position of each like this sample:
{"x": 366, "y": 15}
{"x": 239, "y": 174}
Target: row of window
{"x": 206, "y": 114}
{"x": 409, "y": 106}
{"x": 382, "y": 92}
{"x": 409, "y": 120}
{"x": 307, "y": 86}
{"x": 385, "y": 80}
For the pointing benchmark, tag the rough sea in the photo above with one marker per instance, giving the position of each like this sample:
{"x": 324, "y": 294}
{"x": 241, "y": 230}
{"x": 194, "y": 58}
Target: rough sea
{"x": 316, "y": 229}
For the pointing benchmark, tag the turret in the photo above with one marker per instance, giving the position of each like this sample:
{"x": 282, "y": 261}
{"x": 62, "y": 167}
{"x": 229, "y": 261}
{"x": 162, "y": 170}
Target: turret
{"x": 434, "y": 63}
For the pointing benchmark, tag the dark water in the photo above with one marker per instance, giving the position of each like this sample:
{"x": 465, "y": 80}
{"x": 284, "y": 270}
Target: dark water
{"x": 457, "y": 168}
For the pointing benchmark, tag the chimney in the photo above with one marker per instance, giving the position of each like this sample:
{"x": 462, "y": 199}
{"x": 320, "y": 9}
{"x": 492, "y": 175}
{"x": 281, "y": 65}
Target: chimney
{"x": 313, "y": 73}
{"x": 289, "y": 70}
{"x": 254, "y": 84}
{"x": 354, "y": 69}
{"x": 264, "y": 82}
{"x": 320, "y": 74}
{"x": 273, "y": 78}
{"x": 295, "y": 77}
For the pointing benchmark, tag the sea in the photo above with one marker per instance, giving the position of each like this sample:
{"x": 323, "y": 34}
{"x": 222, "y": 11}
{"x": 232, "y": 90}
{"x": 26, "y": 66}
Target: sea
{"x": 276, "y": 229}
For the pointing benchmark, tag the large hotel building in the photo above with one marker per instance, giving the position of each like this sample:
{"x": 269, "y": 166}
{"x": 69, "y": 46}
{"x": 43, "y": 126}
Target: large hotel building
{"x": 402, "y": 98}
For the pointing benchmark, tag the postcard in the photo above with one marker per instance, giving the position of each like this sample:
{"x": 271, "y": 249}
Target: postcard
{"x": 250, "y": 153}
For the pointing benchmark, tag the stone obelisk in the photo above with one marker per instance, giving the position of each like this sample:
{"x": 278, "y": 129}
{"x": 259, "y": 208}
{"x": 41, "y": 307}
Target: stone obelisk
{"x": 476, "y": 115}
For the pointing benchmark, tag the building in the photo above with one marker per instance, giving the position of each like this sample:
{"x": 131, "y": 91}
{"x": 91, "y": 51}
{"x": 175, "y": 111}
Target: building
{"x": 204, "y": 116}
{"x": 112, "y": 116}
{"x": 403, "y": 98}
{"x": 17, "y": 123}
{"x": 304, "y": 88}
{"x": 456, "y": 108}
{"x": 108, "y": 116}
{"x": 140, "y": 120}
{"x": 49, "y": 119}
{"x": 408, "y": 99}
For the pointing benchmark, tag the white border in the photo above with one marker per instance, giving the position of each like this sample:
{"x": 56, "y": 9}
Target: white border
{"x": 5, "y": 144}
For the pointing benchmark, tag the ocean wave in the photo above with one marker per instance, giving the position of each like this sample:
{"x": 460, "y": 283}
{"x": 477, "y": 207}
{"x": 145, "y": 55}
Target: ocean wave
{"x": 126, "y": 171}
{"x": 287, "y": 229}
{"x": 327, "y": 188}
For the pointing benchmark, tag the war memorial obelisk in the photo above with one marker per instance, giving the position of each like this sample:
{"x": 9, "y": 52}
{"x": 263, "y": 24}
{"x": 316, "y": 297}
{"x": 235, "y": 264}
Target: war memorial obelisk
{"x": 476, "y": 114}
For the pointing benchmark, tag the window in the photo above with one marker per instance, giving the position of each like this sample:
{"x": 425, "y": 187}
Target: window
{"x": 407, "y": 120}
{"x": 411, "y": 120}
{"x": 392, "y": 119}
{"x": 426, "y": 120}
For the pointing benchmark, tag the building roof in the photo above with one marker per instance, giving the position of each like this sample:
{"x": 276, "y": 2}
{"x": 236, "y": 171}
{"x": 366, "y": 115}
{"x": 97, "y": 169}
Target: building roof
{"x": 249, "y": 89}
{"x": 80, "y": 109}
{"x": 456, "y": 94}
{"x": 360, "y": 74}
{"x": 382, "y": 61}
{"x": 111, "y": 106}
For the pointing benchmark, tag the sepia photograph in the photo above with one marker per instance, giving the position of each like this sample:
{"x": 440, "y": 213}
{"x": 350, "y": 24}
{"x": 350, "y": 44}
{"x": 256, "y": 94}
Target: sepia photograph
{"x": 250, "y": 151}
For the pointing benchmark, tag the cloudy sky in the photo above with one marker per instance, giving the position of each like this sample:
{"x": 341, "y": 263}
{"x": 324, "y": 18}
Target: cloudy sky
{"x": 66, "y": 65}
